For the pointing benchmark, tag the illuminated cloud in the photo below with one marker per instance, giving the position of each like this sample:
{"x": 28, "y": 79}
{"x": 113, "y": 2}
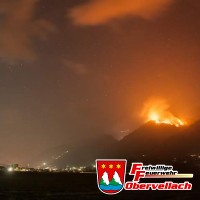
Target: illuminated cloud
{"x": 18, "y": 28}
{"x": 97, "y": 12}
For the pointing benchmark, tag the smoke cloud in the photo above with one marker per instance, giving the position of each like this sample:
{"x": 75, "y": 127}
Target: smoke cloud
{"x": 97, "y": 12}
{"x": 19, "y": 27}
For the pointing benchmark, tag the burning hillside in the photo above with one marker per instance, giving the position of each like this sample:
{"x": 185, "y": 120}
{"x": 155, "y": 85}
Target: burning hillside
{"x": 157, "y": 110}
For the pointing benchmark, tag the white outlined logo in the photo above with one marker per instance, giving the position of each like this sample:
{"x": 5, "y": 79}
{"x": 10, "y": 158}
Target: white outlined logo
{"x": 111, "y": 177}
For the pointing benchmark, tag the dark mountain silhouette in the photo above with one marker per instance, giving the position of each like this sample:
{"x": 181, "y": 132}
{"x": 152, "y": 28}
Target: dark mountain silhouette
{"x": 88, "y": 152}
{"x": 161, "y": 142}
{"x": 149, "y": 143}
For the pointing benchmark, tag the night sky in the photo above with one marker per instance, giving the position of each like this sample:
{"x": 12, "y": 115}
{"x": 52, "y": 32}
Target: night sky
{"x": 72, "y": 70}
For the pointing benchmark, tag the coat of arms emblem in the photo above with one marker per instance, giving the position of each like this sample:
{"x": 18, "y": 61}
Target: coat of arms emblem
{"x": 110, "y": 175}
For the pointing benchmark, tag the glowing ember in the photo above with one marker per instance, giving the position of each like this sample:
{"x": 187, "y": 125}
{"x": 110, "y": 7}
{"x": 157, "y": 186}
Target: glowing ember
{"x": 158, "y": 111}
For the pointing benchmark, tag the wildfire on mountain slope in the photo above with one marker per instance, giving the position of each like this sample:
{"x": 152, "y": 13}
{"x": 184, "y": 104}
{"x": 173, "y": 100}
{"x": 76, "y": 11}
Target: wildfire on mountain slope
{"x": 157, "y": 110}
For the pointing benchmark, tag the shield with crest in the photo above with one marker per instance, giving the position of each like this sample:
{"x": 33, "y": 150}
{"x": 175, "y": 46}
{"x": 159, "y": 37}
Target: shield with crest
{"x": 111, "y": 175}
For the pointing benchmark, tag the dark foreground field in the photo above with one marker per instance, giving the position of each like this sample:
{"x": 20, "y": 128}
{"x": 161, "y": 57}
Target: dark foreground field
{"x": 25, "y": 186}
